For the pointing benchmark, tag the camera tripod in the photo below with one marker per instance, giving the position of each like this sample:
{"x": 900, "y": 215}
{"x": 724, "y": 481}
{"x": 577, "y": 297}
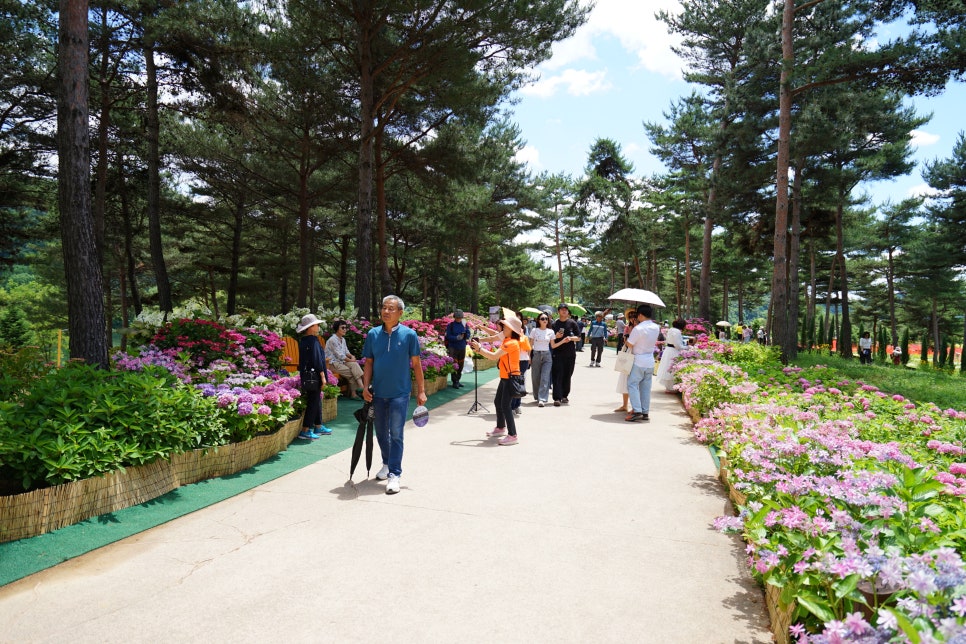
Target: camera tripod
{"x": 477, "y": 405}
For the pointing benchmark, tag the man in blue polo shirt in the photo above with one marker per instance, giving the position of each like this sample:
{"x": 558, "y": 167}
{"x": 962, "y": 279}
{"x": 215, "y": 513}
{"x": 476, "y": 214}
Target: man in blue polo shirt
{"x": 391, "y": 350}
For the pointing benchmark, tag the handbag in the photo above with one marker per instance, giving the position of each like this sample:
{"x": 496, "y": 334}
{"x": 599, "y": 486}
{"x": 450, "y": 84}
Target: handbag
{"x": 625, "y": 362}
{"x": 518, "y": 384}
{"x": 310, "y": 380}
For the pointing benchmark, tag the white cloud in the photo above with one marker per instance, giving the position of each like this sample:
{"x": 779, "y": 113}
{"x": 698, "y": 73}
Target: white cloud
{"x": 576, "y": 82}
{"x": 924, "y": 190}
{"x": 919, "y": 138}
{"x": 634, "y": 24}
{"x": 530, "y": 155}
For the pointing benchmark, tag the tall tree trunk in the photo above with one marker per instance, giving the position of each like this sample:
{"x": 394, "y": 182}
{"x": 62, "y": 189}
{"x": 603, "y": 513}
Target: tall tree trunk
{"x": 724, "y": 298}
{"x": 152, "y": 137}
{"x": 214, "y": 291}
{"x": 305, "y": 233}
{"x": 122, "y": 291}
{"x": 559, "y": 257}
{"x": 677, "y": 287}
{"x": 475, "y": 276}
{"x": 382, "y": 234}
{"x": 704, "y": 286}
{"x": 364, "y": 295}
{"x": 236, "y": 243}
{"x": 934, "y": 328}
{"x": 741, "y": 299}
{"x": 688, "y": 284}
{"x": 343, "y": 270}
{"x": 813, "y": 285}
{"x": 890, "y": 281}
{"x": 794, "y": 255}
{"x": 103, "y": 127}
{"x": 828, "y": 296}
{"x": 85, "y": 286}
{"x": 129, "y": 241}
{"x": 845, "y": 330}
{"x": 780, "y": 331}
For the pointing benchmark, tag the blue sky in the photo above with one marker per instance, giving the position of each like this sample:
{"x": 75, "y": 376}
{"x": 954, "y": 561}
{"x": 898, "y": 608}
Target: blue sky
{"x": 618, "y": 71}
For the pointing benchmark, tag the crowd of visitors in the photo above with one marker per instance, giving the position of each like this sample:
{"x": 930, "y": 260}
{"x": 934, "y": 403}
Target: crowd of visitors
{"x": 545, "y": 346}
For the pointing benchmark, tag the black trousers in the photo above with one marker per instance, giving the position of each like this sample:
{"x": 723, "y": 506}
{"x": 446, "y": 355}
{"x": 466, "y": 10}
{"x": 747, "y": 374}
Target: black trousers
{"x": 502, "y": 402}
{"x": 561, "y": 372}
{"x": 313, "y": 407}
{"x": 459, "y": 355}
{"x": 596, "y": 348}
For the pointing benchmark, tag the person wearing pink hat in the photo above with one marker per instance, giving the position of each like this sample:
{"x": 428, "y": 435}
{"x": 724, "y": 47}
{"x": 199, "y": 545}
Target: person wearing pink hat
{"x": 508, "y": 359}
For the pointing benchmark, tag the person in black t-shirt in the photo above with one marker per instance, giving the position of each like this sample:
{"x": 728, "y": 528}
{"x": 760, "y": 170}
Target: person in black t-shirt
{"x": 564, "y": 348}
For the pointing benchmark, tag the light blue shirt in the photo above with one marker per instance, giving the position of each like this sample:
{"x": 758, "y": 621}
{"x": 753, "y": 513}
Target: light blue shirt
{"x": 391, "y": 355}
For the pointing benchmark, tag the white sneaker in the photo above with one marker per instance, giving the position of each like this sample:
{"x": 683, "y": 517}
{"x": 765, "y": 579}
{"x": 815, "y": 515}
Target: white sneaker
{"x": 517, "y": 412}
{"x": 541, "y": 404}
{"x": 383, "y": 474}
{"x": 393, "y": 486}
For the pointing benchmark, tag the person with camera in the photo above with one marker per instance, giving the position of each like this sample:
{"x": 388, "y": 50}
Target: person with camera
{"x": 564, "y": 348}
{"x": 455, "y": 340}
{"x": 508, "y": 360}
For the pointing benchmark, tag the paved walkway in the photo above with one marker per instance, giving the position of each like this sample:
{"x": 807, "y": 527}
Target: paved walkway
{"x": 591, "y": 529}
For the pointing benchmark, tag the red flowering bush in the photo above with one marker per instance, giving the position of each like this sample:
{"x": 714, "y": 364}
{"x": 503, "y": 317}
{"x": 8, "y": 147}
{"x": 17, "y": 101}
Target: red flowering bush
{"x": 204, "y": 342}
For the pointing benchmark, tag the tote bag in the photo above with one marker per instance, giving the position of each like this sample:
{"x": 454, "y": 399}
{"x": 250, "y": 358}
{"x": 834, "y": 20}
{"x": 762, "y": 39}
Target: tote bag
{"x": 625, "y": 361}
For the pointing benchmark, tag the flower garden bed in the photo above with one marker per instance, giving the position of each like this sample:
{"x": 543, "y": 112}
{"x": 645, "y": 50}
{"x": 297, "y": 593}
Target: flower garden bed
{"x": 840, "y": 489}
{"x": 81, "y": 441}
{"x": 40, "y": 511}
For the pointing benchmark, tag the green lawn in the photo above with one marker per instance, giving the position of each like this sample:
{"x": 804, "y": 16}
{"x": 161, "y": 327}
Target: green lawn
{"x": 921, "y": 385}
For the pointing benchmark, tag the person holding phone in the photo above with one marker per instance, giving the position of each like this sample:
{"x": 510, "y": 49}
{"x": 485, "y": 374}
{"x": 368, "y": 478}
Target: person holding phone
{"x": 457, "y": 334}
{"x": 564, "y": 348}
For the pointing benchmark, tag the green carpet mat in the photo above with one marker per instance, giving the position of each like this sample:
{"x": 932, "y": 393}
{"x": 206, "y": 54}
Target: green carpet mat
{"x": 27, "y": 556}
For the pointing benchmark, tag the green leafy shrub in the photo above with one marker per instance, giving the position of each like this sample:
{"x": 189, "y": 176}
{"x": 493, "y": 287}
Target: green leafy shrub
{"x": 18, "y": 369}
{"x": 79, "y": 422}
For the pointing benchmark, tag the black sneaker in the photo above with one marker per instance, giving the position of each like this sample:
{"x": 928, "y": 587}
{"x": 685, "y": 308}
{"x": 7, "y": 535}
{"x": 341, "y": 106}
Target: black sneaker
{"x": 556, "y": 403}
{"x": 645, "y": 417}
{"x": 565, "y": 400}
{"x": 633, "y": 417}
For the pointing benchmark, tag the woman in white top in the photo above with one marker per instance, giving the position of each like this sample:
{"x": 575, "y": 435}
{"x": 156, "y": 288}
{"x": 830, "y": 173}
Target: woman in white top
{"x": 865, "y": 348}
{"x": 674, "y": 343}
{"x": 540, "y": 359}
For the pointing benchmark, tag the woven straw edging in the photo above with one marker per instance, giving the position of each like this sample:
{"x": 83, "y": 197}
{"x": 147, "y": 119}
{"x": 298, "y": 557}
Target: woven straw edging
{"x": 33, "y": 513}
{"x": 779, "y": 614}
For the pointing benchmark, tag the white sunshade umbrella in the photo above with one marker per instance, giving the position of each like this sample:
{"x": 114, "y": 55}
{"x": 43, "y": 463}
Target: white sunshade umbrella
{"x": 637, "y": 295}
{"x": 723, "y": 323}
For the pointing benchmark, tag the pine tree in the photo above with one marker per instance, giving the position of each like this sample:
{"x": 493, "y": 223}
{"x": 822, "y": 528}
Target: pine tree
{"x": 904, "y": 345}
{"x": 14, "y": 329}
{"x": 924, "y": 349}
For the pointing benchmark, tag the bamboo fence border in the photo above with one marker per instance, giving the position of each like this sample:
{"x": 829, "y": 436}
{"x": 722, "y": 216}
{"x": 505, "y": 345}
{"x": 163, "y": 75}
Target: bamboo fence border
{"x": 41, "y": 511}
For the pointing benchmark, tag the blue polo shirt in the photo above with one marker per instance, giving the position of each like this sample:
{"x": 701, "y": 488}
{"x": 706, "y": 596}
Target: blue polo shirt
{"x": 391, "y": 354}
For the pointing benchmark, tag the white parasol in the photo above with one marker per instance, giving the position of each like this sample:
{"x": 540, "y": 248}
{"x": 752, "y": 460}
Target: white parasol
{"x": 637, "y": 295}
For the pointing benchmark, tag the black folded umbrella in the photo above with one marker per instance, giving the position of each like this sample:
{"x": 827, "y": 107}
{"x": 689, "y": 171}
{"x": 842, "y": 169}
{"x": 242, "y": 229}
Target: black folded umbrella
{"x": 366, "y": 416}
